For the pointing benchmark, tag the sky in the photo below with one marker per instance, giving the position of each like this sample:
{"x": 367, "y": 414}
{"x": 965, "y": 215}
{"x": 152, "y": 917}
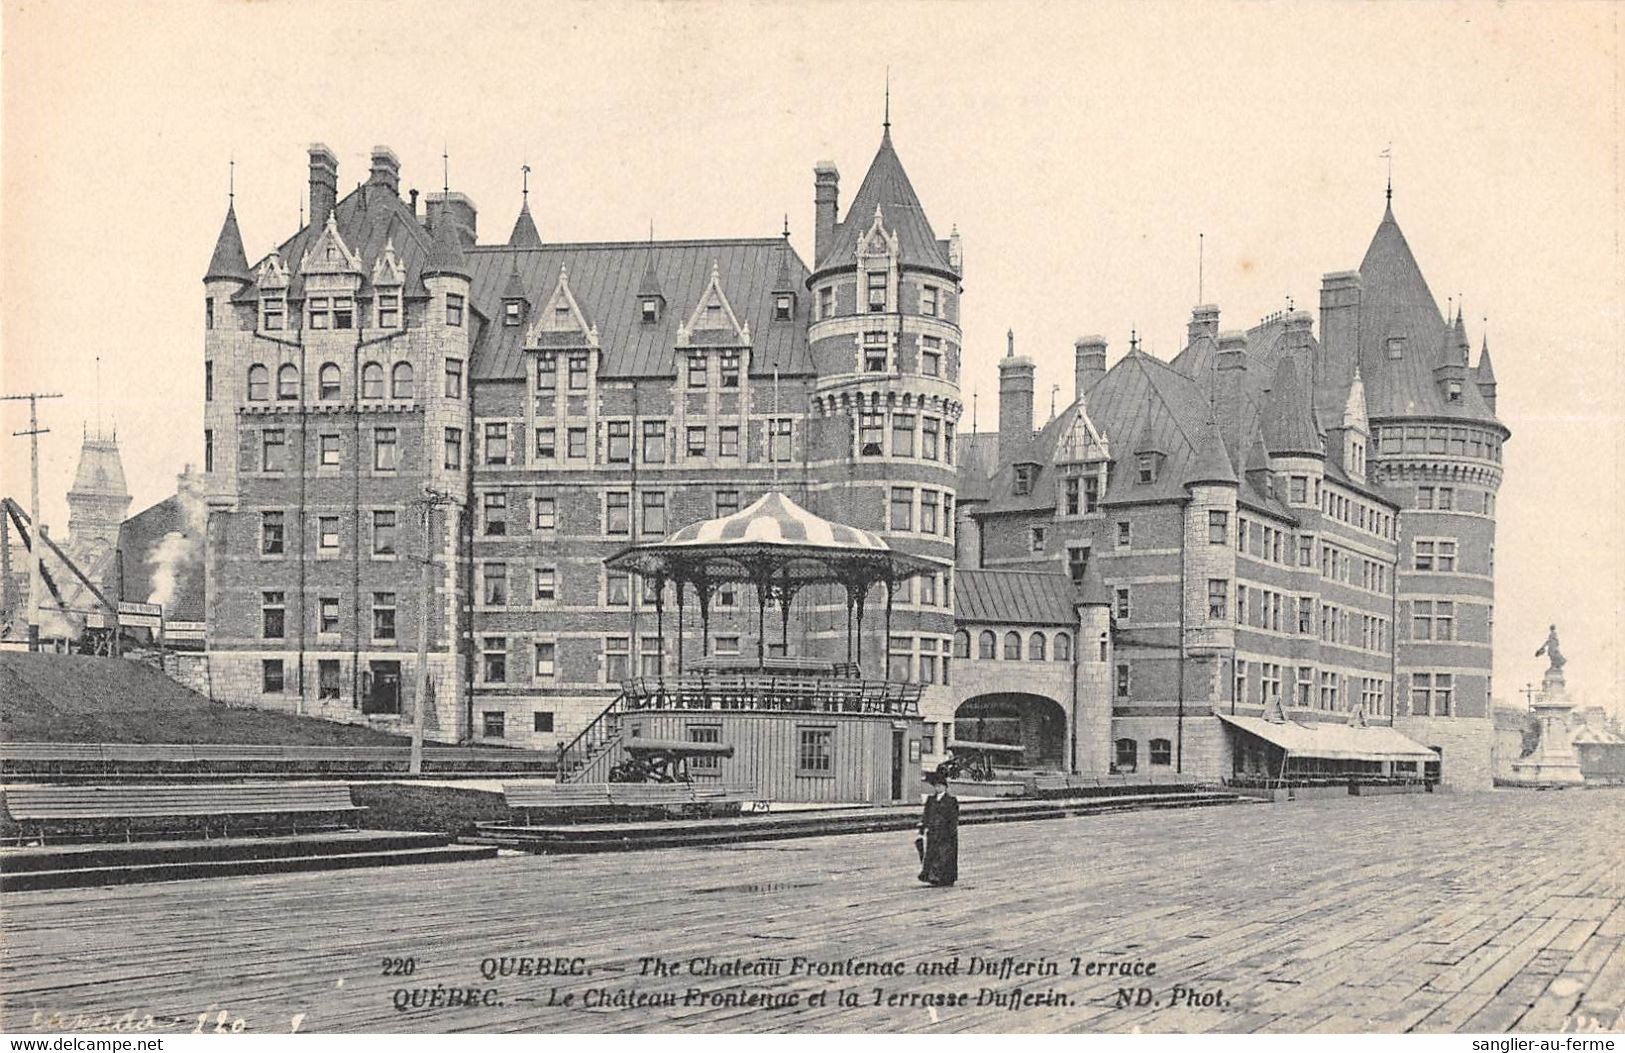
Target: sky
{"x": 1080, "y": 149}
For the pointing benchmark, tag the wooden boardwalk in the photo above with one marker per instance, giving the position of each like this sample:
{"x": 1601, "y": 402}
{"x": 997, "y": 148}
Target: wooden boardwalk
{"x": 1490, "y": 912}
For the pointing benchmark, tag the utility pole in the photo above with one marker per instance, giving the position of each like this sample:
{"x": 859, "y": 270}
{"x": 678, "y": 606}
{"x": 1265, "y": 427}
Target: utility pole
{"x": 35, "y": 582}
{"x": 431, "y": 500}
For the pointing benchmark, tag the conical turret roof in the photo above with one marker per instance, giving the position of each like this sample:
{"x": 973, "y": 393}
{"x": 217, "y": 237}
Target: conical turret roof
{"x": 1485, "y": 371}
{"x": 446, "y": 251}
{"x": 525, "y": 235}
{"x": 1210, "y": 462}
{"x": 229, "y": 259}
{"x": 887, "y": 187}
{"x": 1289, "y": 424}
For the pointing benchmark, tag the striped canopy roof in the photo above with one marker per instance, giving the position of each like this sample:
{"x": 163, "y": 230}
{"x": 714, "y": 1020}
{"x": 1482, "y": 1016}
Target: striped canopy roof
{"x": 774, "y": 519}
{"x": 774, "y": 539}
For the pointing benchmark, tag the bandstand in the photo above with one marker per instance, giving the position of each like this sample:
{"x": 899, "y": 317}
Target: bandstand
{"x": 800, "y": 727}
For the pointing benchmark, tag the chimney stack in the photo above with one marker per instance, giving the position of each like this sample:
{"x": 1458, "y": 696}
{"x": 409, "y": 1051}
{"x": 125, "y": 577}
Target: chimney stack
{"x": 386, "y": 170}
{"x": 324, "y": 183}
{"x": 826, "y": 202}
{"x": 1233, "y": 350}
{"x": 1015, "y": 400}
{"x": 1089, "y": 363}
{"x": 1204, "y": 322}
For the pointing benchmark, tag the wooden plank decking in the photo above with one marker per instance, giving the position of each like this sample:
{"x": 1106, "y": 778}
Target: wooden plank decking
{"x": 1487, "y": 912}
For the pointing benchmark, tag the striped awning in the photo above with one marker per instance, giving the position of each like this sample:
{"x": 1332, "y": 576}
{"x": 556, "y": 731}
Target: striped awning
{"x": 774, "y": 519}
{"x": 1333, "y": 741}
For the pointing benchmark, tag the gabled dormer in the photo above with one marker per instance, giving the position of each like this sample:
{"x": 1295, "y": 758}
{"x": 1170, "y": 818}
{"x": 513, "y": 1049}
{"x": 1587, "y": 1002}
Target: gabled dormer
{"x": 272, "y": 280}
{"x": 329, "y": 255}
{"x": 876, "y": 253}
{"x": 651, "y": 297}
{"x": 1149, "y": 455}
{"x": 388, "y": 277}
{"x": 1024, "y": 477}
{"x": 784, "y": 287}
{"x": 561, "y": 323}
{"x": 713, "y": 322}
{"x": 515, "y": 303}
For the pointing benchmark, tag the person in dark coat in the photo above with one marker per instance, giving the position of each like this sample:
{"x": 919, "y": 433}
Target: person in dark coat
{"x": 939, "y": 826}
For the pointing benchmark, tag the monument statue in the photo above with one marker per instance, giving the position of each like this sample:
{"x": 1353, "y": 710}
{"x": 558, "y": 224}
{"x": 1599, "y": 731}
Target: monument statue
{"x": 1553, "y": 653}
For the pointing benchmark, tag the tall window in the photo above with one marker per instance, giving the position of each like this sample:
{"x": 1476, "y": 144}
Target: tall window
{"x": 815, "y": 751}
{"x": 727, "y": 502}
{"x": 617, "y": 658}
{"x": 383, "y": 616}
{"x": 454, "y": 309}
{"x": 1218, "y": 598}
{"x": 654, "y": 442}
{"x": 327, "y": 678}
{"x": 454, "y": 378}
{"x": 495, "y": 578}
{"x": 272, "y": 533}
{"x": 778, "y": 439}
{"x": 728, "y": 369}
{"x": 620, "y": 441}
{"x": 547, "y": 584}
{"x": 1123, "y": 607}
{"x": 578, "y": 372}
{"x": 728, "y": 441}
{"x": 902, "y": 508}
{"x": 547, "y": 513}
{"x": 695, "y": 447}
{"x": 902, "y": 435}
{"x": 273, "y": 615}
{"x": 494, "y": 506}
{"x": 1012, "y": 646}
{"x": 372, "y": 381}
{"x": 259, "y": 383}
{"x": 1122, "y": 681}
{"x": 1037, "y": 650}
{"x": 874, "y": 351}
{"x": 496, "y": 442}
{"x": 1218, "y": 528}
{"x": 928, "y": 300}
{"x": 327, "y": 447}
{"x": 385, "y": 450}
{"x": 546, "y": 658}
{"x": 654, "y": 512}
{"x": 274, "y": 450}
{"x": 400, "y": 381}
{"x": 876, "y": 283}
{"x": 272, "y": 681}
{"x": 869, "y": 433}
{"x": 1128, "y": 753}
{"x": 697, "y": 370}
{"x": 389, "y": 310}
{"x": 547, "y": 444}
{"x": 986, "y": 644}
{"x": 327, "y": 535}
{"x": 928, "y": 511}
{"x": 454, "y": 447}
{"x": 617, "y": 513}
{"x": 327, "y": 382}
{"x": 929, "y": 428}
{"x": 494, "y": 659}
{"x": 384, "y": 525}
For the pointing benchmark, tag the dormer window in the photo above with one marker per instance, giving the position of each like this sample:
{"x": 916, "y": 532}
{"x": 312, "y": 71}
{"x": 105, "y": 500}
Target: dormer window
{"x": 343, "y": 312}
{"x": 1146, "y": 464}
{"x": 1453, "y": 391}
{"x": 389, "y": 310}
{"x": 728, "y": 368}
{"x": 877, "y": 291}
{"x": 275, "y": 310}
{"x": 784, "y": 305}
{"x": 1026, "y": 475}
{"x": 651, "y": 309}
{"x": 1396, "y": 347}
{"x": 512, "y": 312}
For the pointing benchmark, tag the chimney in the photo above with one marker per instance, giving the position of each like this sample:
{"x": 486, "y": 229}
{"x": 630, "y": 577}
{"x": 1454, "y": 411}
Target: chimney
{"x": 1233, "y": 350}
{"x": 1089, "y": 363}
{"x": 324, "y": 183}
{"x": 1340, "y": 295}
{"x": 826, "y": 202}
{"x": 1015, "y": 400}
{"x": 413, "y": 194}
{"x": 460, "y": 207}
{"x": 386, "y": 170}
{"x": 1204, "y": 322}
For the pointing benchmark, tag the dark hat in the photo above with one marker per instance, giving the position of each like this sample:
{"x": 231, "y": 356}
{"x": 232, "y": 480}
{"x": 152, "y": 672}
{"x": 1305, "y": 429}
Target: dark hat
{"x": 936, "y": 778}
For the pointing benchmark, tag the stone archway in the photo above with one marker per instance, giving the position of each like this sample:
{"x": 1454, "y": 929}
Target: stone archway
{"x": 1034, "y": 722}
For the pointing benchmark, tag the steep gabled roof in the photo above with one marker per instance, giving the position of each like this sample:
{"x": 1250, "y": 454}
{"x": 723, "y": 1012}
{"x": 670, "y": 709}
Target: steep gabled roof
{"x": 368, "y": 219}
{"x": 886, "y": 186}
{"x": 1014, "y": 597}
{"x": 1484, "y": 370}
{"x": 229, "y": 260}
{"x": 525, "y": 234}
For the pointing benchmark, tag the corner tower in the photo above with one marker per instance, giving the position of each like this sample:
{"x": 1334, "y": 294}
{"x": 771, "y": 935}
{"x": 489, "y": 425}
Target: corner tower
{"x": 1435, "y": 447}
{"x": 885, "y": 340}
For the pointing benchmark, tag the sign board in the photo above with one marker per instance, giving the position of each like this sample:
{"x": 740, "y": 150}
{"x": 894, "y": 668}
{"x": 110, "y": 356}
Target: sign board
{"x": 141, "y": 615}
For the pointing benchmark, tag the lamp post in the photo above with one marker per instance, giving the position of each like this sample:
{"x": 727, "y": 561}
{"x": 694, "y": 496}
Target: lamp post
{"x": 431, "y": 500}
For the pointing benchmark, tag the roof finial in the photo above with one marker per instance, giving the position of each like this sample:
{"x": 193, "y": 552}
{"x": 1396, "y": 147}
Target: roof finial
{"x": 1388, "y": 155}
{"x": 1133, "y": 340}
{"x": 787, "y": 226}
{"x": 974, "y": 396}
{"x": 445, "y": 170}
{"x": 886, "y": 125}
{"x": 524, "y": 183}
{"x": 1201, "y": 252}
{"x": 231, "y": 181}
{"x": 1010, "y": 343}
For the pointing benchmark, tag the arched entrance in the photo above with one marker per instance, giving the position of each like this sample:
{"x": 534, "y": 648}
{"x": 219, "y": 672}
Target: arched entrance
{"x": 1016, "y": 718}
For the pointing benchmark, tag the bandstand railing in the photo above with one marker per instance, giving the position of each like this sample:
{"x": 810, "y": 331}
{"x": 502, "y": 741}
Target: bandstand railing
{"x": 797, "y": 694}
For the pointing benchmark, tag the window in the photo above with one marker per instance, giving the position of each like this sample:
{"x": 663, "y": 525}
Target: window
{"x": 1424, "y": 497}
{"x": 208, "y": 449}
{"x": 726, "y": 645}
{"x": 869, "y": 433}
{"x": 617, "y": 589}
{"x": 273, "y": 616}
{"x": 1306, "y": 614}
{"x": 826, "y": 302}
{"x": 383, "y": 532}
{"x": 947, "y": 442}
{"x": 547, "y": 513}
{"x": 454, "y": 447}
{"x": 1074, "y": 490}
{"x": 494, "y": 659}
{"x": 1241, "y": 681}
{"x": 902, "y": 508}
{"x": 931, "y": 358}
{"x": 1012, "y": 647}
{"x": 327, "y": 534}
{"x": 274, "y": 309}
{"x": 385, "y": 450}
{"x": 650, "y": 307}
{"x": 1125, "y": 534}
{"x": 327, "y": 678}
{"x": 547, "y": 447}
{"x": 620, "y": 441}
{"x": 876, "y": 285}
{"x": 617, "y": 513}
{"x": 1162, "y": 753}
{"x": 654, "y": 442}
{"x": 274, "y": 450}
{"x": 654, "y": 512}
{"x": 259, "y": 383}
{"x": 1025, "y": 476}
{"x": 496, "y": 442}
{"x": 1063, "y": 647}
{"x": 494, "y": 724}
{"x": 454, "y": 378}
{"x": 1329, "y": 690}
{"x": 928, "y": 662}
{"x": 1218, "y": 598}
{"x": 271, "y": 533}
{"x": 986, "y": 645}
{"x": 728, "y": 369}
{"x": 327, "y": 614}
{"x": 1432, "y": 694}
{"x": 1241, "y": 604}
{"x": 902, "y": 435}
{"x": 1038, "y": 538}
{"x": 454, "y": 309}
{"x": 697, "y": 371}
{"x": 1128, "y": 752}
{"x": 900, "y": 658}
{"x": 874, "y": 351}
{"x": 389, "y": 310}
{"x": 1396, "y": 347}
{"x": 318, "y": 312}
{"x": 617, "y": 655}
{"x": 494, "y": 511}
{"x": 1122, "y": 606}
{"x": 400, "y": 381}
{"x": 1298, "y": 489}
{"x": 327, "y": 450}
{"x": 576, "y": 440}
{"x": 208, "y": 312}
{"x": 727, "y": 502}
{"x": 728, "y": 441}
{"x": 695, "y": 446}
{"x": 578, "y": 372}
{"x": 512, "y": 312}
{"x": 1447, "y": 498}
{"x": 271, "y": 677}
{"x": 1077, "y": 561}
{"x": 327, "y": 382}
{"x": 372, "y": 381}
{"x": 928, "y": 300}
{"x": 1218, "y": 528}
{"x": 1433, "y": 620}
{"x": 1037, "y": 650}
{"x": 779, "y": 445}
{"x": 815, "y": 751}
{"x": 962, "y": 644}
{"x": 546, "y": 584}
{"x": 343, "y": 312}
{"x": 928, "y": 589}
{"x": 928, "y": 511}
{"x": 1147, "y": 466}
{"x": 383, "y": 616}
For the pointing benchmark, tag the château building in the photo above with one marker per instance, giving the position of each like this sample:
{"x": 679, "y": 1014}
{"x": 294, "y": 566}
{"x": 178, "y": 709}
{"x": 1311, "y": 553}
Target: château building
{"x": 1269, "y": 524}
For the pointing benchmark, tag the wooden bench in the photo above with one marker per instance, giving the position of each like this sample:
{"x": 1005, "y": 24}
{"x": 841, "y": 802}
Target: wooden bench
{"x": 713, "y": 798}
{"x": 78, "y": 806}
{"x": 626, "y": 800}
{"x": 567, "y": 800}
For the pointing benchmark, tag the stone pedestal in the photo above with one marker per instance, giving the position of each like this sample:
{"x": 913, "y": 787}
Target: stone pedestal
{"x": 1552, "y": 762}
